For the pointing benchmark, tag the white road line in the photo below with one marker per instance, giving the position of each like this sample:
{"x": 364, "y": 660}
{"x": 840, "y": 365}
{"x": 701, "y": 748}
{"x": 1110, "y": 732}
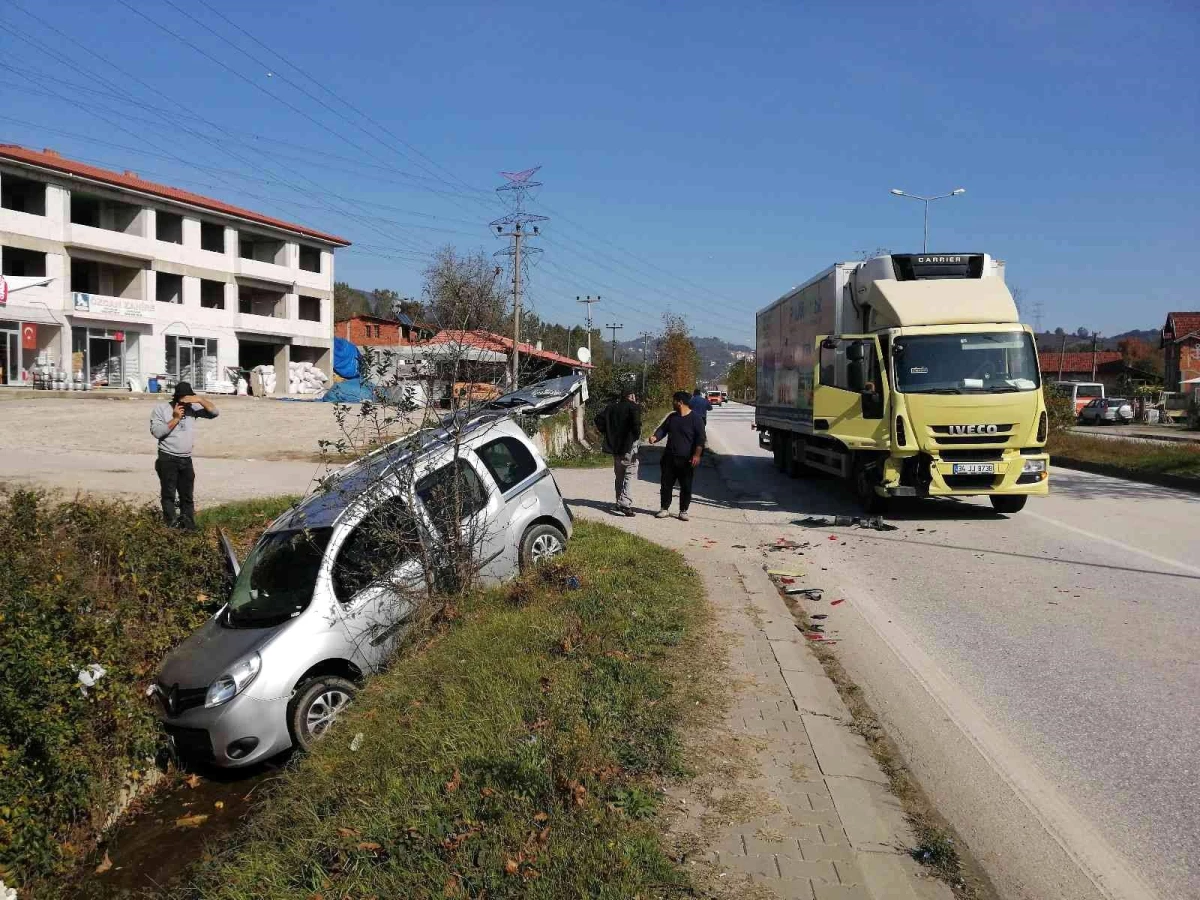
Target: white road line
{"x": 1112, "y": 542}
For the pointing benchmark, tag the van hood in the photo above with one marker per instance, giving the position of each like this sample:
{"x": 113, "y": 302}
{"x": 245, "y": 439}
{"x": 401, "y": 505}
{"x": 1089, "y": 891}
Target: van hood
{"x": 969, "y": 420}
{"x": 209, "y": 653}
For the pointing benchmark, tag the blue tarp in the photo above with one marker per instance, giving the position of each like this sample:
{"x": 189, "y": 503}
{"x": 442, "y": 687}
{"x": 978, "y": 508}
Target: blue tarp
{"x": 345, "y": 358}
{"x": 352, "y": 390}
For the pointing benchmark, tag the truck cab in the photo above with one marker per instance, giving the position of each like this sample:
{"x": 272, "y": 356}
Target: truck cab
{"x": 929, "y": 387}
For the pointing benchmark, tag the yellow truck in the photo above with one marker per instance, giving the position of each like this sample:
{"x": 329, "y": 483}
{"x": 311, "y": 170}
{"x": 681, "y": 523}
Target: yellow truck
{"x": 909, "y": 375}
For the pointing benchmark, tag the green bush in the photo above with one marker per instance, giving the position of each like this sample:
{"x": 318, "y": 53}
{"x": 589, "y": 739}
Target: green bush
{"x": 84, "y": 583}
{"x": 1061, "y": 411}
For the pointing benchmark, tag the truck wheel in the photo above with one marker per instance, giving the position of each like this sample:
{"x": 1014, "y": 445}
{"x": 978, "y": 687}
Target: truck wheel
{"x": 864, "y": 478}
{"x": 1007, "y": 503}
{"x": 795, "y": 458}
{"x": 781, "y": 447}
{"x": 315, "y": 706}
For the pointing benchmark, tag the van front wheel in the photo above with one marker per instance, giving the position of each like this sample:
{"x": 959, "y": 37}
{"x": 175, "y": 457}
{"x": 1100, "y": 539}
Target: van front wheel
{"x": 315, "y": 707}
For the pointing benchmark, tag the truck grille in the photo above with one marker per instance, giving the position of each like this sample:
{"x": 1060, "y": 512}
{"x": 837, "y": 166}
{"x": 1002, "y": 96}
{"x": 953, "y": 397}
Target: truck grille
{"x": 943, "y": 438}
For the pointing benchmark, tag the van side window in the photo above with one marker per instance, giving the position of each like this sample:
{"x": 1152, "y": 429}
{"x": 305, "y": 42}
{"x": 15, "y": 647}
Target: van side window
{"x": 508, "y": 460}
{"x": 384, "y": 540}
{"x": 451, "y": 494}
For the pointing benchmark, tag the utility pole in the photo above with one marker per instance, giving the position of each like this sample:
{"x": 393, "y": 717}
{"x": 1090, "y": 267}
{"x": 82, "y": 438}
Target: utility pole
{"x": 615, "y": 329}
{"x": 518, "y": 187}
{"x": 1095, "y": 335}
{"x": 589, "y": 301}
{"x": 1062, "y": 355}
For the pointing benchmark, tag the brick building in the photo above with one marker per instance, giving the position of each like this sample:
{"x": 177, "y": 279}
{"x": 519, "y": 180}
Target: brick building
{"x": 1181, "y": 348}
{"x": 378, "y": 331}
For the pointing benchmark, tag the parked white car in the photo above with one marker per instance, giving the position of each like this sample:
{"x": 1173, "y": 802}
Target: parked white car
{"x": 1107, "y": 411}
{"x": 323, "y": 598}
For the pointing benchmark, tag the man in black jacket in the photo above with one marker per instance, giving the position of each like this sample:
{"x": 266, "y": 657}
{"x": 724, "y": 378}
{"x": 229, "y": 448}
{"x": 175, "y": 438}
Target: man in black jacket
{"x": 685, "y": 437}
{"x": 621, "y": 425}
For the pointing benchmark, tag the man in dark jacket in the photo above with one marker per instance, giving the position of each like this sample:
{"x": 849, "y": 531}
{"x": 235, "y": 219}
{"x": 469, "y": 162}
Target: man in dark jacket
{"x": 621, "y": 425}
{"x": 172, "y": 425}
{"x": 700, "y": 405}
{"x": 684, "y": 433}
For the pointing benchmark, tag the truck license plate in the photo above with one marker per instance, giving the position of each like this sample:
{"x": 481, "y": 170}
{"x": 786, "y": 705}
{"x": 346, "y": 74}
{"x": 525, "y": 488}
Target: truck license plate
{"x": 974, "y": 469}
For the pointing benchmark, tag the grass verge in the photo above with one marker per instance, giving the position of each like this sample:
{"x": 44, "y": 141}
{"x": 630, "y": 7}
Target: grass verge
{"x": 1135, "y": 457}
{"x": 102, "y": 588}
{"x": 516, "y": 752}
{"x": 938, "y": 847}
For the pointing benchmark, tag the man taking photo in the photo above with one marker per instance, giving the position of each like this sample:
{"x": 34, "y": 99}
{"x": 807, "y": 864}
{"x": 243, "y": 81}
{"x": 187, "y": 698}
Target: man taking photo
{"x": 684, "y": 431}
{"x": 172, "y": 425}
{"x": 620, "y": 423}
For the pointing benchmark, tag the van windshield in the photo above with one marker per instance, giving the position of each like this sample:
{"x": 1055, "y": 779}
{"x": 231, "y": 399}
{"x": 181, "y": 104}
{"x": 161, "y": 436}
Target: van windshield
{"x": 976, "y": 363}
{"x": 276, "y": 583}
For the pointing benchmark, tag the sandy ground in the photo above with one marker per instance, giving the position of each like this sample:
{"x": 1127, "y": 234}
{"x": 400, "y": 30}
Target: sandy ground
{"x": 247, "y": 428}
{"x": 97, "y": 444}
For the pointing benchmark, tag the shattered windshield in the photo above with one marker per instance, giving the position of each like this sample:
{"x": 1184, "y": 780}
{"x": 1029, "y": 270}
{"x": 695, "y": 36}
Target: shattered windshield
{"x": 277, "y": 580}
{"x": 978, "y": 363}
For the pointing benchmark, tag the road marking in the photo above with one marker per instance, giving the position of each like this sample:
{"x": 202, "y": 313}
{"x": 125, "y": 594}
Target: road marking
{"x": 1113, "y": 542}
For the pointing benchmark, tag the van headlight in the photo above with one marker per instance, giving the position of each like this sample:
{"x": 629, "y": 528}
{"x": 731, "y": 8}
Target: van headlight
{"x": 1034, "y": 465}
{"x": 233, "y": 682}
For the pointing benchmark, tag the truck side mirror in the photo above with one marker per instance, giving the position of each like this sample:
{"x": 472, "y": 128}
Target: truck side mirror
{"x": 856, "y": 375}
{"x": 856, "y": 352}
{"x": 829, "y": 344}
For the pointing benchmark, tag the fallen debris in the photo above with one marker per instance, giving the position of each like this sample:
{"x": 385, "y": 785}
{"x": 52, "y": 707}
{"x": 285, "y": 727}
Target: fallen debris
{"x": 875, "y": 523}
{"x": 813, "y": 594}
{"x": 786, "y": 573}
{"x": 836, "y": 602}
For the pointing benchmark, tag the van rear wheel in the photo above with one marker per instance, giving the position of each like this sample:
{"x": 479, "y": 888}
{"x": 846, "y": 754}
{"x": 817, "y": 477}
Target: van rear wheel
{"x": 540, "y": 544}
{"x": 1007, "y": 503}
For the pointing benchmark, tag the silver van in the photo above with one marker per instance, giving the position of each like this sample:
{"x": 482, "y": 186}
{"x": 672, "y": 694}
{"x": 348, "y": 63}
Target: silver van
{"x": 329, "y": 588}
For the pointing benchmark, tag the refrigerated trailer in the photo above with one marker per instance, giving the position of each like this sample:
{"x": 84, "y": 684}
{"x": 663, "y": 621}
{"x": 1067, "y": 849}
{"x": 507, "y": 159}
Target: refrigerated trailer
{"x": 909, "y": 375}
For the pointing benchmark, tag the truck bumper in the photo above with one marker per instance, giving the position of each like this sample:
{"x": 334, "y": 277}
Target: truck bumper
{"x": 1016, "y": 474}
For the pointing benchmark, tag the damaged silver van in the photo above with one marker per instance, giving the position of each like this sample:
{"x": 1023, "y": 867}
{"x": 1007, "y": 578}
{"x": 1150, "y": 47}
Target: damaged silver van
{"x": 326, "y": 593}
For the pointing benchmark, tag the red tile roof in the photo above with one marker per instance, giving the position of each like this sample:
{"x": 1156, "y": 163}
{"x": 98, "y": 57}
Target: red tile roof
{"x": 52, "y": 160}
{"x": 486, "y": 340}
{"x": 1185, "y": 323}
{"x": 1076, "y": 362}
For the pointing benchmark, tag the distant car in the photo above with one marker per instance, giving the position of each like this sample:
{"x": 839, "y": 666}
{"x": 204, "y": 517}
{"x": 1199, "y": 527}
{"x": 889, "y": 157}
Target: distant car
{"x": 724, "y": 397}
{"x": 321, "y": 600}
{"x": 1107, "y": 411}
{"x": 715, "y": 398}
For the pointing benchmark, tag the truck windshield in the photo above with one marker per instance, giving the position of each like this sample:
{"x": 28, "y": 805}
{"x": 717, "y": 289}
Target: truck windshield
{"x": 277, "y": 581}
{"x": 978, "y": 363}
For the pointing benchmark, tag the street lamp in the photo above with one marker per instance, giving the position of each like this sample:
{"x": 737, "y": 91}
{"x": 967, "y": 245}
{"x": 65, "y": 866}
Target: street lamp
{"x": 927, "y": 201}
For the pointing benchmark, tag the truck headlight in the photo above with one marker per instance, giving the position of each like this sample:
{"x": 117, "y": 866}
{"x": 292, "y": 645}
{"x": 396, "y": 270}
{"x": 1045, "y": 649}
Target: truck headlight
{"x": 233, "y": 682}
{"x": 1034, "y": 465}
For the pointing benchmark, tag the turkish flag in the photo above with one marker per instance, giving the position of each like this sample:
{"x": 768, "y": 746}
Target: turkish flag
{"x": 29, "y": 336}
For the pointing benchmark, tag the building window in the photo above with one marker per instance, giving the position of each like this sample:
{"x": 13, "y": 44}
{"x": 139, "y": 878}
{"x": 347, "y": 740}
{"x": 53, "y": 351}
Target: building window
{"x": 310, "y": 259}
{"x": 101, "y": 212}
{"x": 22, "y": 195}
{"x": 255, "y": 302}
{"x": 212, "y": 294}
{"x": 168, "y": 288}
{"x": 261, "y": 248}
{"x": 310, "y": 309}
{"x": 212, "y": 237}
{"x": 23, "y": 263}
{"x": 168, "y": 227}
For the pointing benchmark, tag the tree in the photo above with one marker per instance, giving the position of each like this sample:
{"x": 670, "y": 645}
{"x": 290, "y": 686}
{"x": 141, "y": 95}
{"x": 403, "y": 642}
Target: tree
{"x": 348, "y": 302}
{"x": 742, "y": 379}
{"x": 1082, "y": 333}
{"x": 678, "y": 366}
{"x": 462, "y": 292}
{"x": 1141, "y": 355}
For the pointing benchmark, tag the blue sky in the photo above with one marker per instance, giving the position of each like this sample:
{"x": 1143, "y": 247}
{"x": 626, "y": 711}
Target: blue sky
{"x": 697, "y": 158}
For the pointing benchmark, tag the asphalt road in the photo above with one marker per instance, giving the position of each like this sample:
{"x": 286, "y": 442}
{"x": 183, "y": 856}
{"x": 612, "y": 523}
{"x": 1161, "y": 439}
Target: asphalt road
{"x": 1060, "y": 646}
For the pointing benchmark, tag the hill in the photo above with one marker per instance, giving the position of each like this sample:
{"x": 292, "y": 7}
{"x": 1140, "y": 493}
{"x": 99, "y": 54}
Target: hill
{"x": 716, "y": 355}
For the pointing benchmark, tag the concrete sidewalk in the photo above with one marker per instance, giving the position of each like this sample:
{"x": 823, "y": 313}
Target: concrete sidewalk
{"x": 808, "y": 814}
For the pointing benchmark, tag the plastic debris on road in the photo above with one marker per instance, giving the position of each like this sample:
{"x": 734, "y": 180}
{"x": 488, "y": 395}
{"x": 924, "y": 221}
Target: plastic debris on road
{"x": 786, "y": 573}
{"x": 357, "y": 742}
{"x": 836, "y": 602}
{"x": 89, "y": 676}
{"x": 874, "y": 523}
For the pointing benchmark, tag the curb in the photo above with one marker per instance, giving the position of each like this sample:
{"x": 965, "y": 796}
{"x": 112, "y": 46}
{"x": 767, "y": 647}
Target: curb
{"x": 1178, "y": 482}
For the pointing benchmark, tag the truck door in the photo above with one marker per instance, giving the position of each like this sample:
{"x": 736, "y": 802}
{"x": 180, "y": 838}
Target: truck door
{"x": 851, "y": 394}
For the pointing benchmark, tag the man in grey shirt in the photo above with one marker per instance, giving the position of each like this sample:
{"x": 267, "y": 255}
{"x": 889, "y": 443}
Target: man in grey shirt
{"x": 172, "y": 425}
